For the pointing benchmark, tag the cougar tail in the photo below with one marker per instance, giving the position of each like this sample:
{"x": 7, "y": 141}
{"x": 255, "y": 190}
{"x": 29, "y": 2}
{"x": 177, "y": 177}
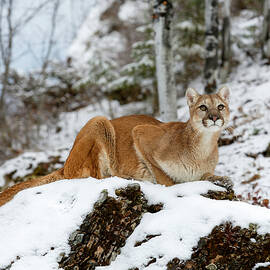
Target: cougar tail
{"x": 9, "y": 193}
{"x": 96, "y": 136}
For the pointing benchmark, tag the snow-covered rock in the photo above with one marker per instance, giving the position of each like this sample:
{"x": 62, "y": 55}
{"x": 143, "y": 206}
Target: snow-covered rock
{"x": 37, "y": 223}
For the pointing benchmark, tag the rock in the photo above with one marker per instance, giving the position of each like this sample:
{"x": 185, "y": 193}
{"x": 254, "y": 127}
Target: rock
{"x": 211, "y": 266}
{"x": 266, "y": 153}
{"x": 221, "y": 195}
{"x": 105, "y": 230}
{"x": 227, "y": 247}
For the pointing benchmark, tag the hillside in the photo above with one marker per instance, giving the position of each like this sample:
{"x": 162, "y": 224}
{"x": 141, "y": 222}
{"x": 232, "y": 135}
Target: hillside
{"x": 62, "y": 206}
{"x": 38, "y": 226}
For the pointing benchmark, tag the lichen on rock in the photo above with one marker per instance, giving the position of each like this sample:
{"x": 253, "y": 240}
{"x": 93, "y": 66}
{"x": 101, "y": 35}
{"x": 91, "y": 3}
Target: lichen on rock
{"x": 221, "y": 195}
{"x": 227, "y": 247}
{"x": 105, "y": 230}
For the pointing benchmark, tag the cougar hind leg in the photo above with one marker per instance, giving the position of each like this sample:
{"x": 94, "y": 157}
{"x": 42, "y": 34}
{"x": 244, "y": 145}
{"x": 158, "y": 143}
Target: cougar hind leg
{"x": 95, "y": 140}
{"x": 93, "y": 152}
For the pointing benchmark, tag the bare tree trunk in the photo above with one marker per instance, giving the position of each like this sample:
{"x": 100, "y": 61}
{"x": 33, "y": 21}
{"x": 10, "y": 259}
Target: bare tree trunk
{"x": 226, "y": 41}
{"x": 266, "y": 31}
{"x": 162, "y": 15}
{"x": 6, "y": 55}
{"x": 211, "y": 45}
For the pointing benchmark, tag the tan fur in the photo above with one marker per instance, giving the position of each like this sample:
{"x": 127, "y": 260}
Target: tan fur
{"x": 143, "y": 148}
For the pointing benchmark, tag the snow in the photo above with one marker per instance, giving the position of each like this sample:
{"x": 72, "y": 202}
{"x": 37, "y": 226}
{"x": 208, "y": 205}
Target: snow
{"x": 24, "y": 164}
{"x": 188, "y": 25}
{"x": 260, "y": 265}
{"x": 42, "y": 218}
{"x": 96, "y": 36}
{"x": 36, "y": 224}
{"x": 80, "y": 50}
{"x": 250, "y": 104}
{"x": 242, "y": 26}
{"x": 127, "y": 11}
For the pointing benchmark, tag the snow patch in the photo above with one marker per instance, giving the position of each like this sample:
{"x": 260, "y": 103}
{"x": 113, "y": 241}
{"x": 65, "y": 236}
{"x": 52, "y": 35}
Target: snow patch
{"x": 133, "y": 11}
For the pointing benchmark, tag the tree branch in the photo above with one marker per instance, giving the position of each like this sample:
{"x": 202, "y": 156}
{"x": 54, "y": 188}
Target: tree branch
{"x": 24, "y": 20}
{"x": 51, "y": 36}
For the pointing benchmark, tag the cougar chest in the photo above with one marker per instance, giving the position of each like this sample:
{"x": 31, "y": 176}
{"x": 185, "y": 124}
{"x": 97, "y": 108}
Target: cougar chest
{"x": 181, "y": 171}
{"x": 188, "y": 165}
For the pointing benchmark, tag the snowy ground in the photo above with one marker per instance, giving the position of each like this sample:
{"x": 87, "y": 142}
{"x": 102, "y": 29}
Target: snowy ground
{"x": 28, "y": 240}
{"x": 26, "y": 222}
{"x": 250, "y": 114}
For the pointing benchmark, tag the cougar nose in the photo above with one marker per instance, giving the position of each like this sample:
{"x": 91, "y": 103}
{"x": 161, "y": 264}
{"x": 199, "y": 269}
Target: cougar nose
{"x": 213, "y": 117}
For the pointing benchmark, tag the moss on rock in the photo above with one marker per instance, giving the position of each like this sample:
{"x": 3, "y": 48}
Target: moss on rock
{"x": 227, "y": 247}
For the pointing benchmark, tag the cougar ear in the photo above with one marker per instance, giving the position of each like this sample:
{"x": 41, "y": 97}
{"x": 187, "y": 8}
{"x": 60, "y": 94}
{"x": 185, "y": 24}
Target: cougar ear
{"x": 191, "y": 96}
{"x": 224, "y": 93}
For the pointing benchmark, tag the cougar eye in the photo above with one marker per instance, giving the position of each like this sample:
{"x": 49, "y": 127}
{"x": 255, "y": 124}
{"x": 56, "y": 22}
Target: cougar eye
{"x": 203, "y": 108}
{"x": 220, "y": 107}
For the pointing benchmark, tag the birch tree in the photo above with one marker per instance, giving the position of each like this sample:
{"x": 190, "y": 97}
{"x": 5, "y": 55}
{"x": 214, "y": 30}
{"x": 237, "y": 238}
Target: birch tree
{"x": 226, "y": 41}
{"x": 211, "y": 45}
{"x": 162, "y": 15}
{"x": 266, "y": 30}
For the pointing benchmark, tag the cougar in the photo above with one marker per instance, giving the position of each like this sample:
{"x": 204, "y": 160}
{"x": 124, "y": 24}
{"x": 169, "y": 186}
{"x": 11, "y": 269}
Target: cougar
{"x": 143, "y": 148}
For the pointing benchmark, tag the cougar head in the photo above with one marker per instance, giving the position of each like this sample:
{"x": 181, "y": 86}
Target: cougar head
{"x": 209, "y": 112}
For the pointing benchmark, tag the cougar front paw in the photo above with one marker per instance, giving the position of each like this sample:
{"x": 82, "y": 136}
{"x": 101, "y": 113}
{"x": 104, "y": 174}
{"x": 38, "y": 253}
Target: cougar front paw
{"x": 223, "y": 181}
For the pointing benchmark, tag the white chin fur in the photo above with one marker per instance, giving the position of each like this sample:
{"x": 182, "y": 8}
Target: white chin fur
{"x": 214, "y": 126}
